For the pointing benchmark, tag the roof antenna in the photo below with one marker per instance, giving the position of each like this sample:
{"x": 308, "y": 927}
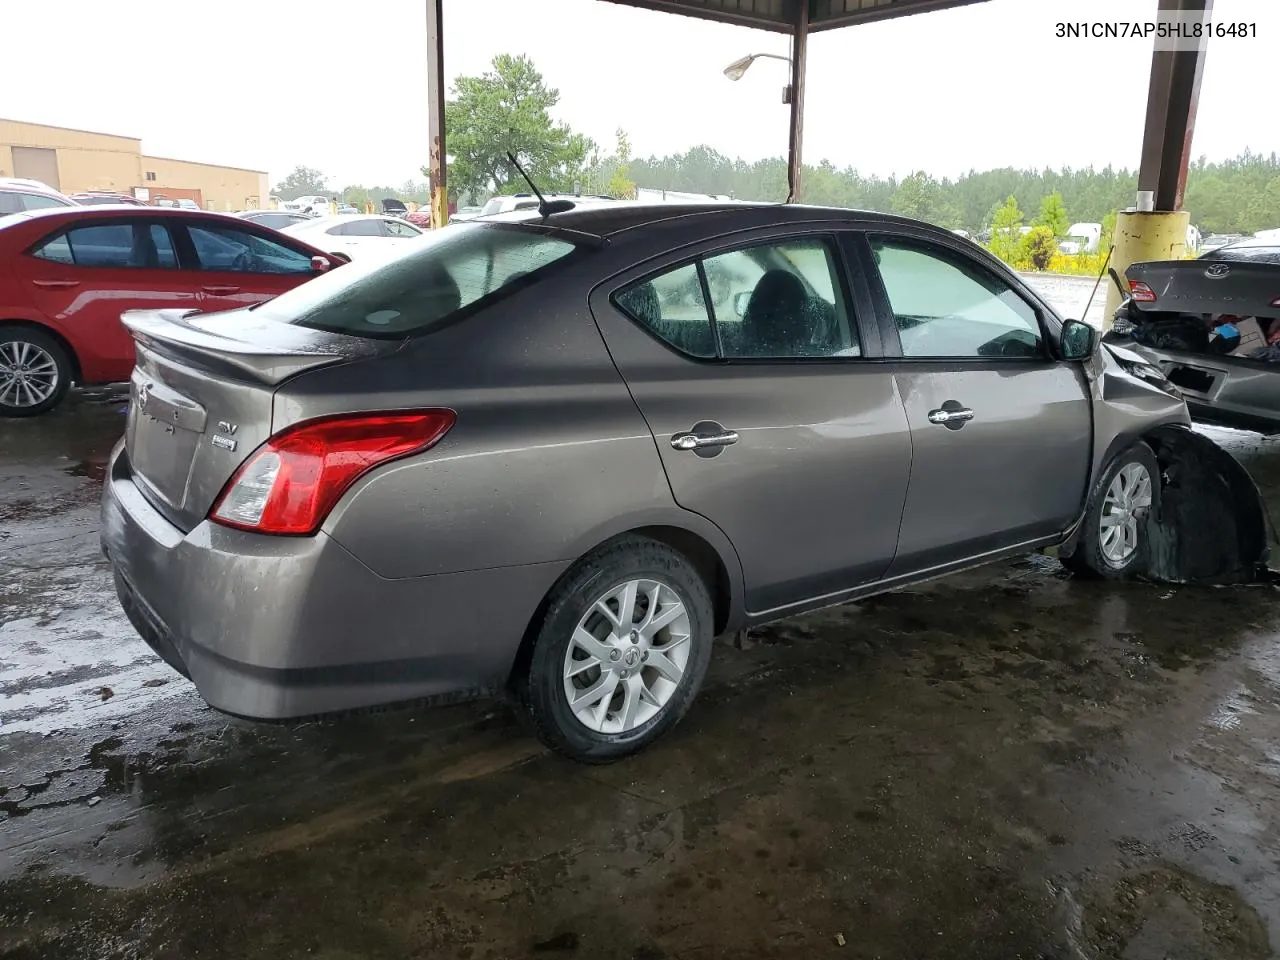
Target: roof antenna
{"x": 545, "y": 207}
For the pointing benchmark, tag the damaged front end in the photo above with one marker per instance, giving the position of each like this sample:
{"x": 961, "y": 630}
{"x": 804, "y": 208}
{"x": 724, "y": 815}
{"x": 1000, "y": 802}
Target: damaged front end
{"x": 1208, "y": 523}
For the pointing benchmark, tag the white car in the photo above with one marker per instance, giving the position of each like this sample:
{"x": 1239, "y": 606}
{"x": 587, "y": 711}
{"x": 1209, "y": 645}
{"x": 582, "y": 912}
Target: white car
{"x": 312, "y": 206}
{"x": 527, "y": 201}
{"x": 354, "y": 234}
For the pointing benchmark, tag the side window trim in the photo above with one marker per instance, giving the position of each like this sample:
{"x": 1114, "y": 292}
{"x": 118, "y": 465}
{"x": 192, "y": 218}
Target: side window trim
{"x": 705, "y": 287}
{"x": 829, "y": 234}
{"x": 888, "y": 323}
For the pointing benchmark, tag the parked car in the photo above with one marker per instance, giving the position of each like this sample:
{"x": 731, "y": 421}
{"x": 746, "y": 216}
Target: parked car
{"x": 275, "y": 219}
{"x": 1212, "y": 326}
{"x": 465, "y": 213}
{"x": 496, "y": 461}
{"x": 312, "y": 206}
{"x": 391, "y": 207}
{"x": 348, "y": 209}
{"x": 104, "y": 198}
{"x": 355, "y": 235}
{"x": 18, "y": 195}
{"x": 67, "y": 273}
{"x": 527, "y": 201}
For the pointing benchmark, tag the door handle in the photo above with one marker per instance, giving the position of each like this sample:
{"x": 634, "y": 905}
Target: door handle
{"x": 56, "y": 284}
{"x": 702, "y": 441}
{"x": 220, "y": 291}
{"x": 960, "y": 415}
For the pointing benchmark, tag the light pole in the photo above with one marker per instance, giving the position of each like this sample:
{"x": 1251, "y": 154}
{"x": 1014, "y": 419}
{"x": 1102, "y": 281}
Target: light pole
{"x": 792, "y": 94}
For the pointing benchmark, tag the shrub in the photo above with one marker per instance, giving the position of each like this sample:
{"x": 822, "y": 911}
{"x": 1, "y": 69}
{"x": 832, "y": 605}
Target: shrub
{"x": 1040, "y": 246}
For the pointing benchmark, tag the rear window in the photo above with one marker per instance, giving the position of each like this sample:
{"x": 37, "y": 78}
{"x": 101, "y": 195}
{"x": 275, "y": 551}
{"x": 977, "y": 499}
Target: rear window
{"x": 446, "y": 272}
{"x": 1247, "y": 253}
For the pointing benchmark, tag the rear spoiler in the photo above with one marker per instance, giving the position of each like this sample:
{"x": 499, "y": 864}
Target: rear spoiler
{"x": 265, "y": 351}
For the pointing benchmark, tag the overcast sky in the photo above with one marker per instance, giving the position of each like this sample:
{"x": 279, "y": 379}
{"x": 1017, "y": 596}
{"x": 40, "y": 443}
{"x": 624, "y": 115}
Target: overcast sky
{"x": 341, "y": 86}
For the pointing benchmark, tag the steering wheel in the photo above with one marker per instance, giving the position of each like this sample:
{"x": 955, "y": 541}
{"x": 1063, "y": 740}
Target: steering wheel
{"x": 243, "y": 261}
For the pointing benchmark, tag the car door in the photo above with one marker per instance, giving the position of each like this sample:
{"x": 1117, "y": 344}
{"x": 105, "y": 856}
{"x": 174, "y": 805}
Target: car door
{"x": 747, "y": 364}
{"x": 85, "y": 276}
{"x": 1001, "y": 431}
{"x": 241, "y": 265}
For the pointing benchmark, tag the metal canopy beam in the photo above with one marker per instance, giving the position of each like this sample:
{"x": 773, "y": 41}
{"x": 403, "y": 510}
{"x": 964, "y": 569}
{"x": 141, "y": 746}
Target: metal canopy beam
{"x": 779, "y": 15}
{"x": 1172, "y": 99}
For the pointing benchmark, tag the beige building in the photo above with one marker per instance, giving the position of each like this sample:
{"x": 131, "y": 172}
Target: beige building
{"x": 77, "y": 160}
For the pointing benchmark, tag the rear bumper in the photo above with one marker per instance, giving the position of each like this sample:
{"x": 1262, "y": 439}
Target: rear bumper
{"x": 1223, "y": 390}
{"x": 274, "y": 628}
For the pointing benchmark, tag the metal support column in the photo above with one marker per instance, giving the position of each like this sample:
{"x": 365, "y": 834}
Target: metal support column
{"x": 1171, "y": 108}
{"x": 1159, "y": 231}
{"x": 436, "y": 163}
{"x": 799, "y": 50}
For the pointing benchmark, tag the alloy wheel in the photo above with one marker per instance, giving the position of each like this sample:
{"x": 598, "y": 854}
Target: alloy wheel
{"x": 28, "y": 374}
{"x": 1125, "y": 507}
{"x": 627, "y": 656}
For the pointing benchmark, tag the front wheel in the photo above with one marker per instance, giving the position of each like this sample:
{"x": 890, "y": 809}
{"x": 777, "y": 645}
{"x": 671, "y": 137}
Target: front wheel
{"x": 1115, "y": 542}
{"x": 35, "y": 372}
{"x": 620, "y": 653}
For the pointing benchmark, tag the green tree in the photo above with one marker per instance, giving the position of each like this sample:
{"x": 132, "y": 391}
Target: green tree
{"x": 302, "y": 182}
{"x": 1108, "y": 233}
{"x": 924, "y": 198}
{"x": 1006, "y": 230}
{"x": 1053, "y": 214}
{"x": 620, "y": 186}
{"x": 1038, "y": 247}
{"x": 506, "y": 109}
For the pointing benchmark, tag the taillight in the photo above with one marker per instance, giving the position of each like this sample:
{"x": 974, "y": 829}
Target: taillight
{"x": 1276, "y": 302}
{"x": 290, "y": 483}
{"x": 1141, "y": 292}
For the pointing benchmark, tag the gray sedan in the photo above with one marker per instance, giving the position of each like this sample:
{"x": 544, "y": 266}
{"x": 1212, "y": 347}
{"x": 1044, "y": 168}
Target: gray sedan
{"x": 557, "y": 452}
{"x": 1212, "y": 325}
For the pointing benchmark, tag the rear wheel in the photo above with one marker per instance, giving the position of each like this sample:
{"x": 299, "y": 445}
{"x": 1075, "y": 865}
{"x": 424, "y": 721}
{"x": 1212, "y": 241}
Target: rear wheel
{"x": 35, "y": 372}
{"x": 620, "y": 653}
{"x": 1115, "y": 541}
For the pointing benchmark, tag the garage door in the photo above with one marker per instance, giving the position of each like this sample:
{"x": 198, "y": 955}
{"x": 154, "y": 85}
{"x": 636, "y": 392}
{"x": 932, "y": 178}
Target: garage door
{"x": 36, "y": 163}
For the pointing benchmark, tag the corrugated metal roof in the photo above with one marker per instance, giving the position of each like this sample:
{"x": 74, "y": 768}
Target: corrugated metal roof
{"x": 779, "y": 15}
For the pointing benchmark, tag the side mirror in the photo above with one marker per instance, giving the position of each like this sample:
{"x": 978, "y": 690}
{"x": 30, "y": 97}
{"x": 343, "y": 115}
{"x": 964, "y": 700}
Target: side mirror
{"x": 320, "y": 264}
{"x": 339, "y": 258}
{"x": 1078, "y": 340}
{"x": 740, "y": 301}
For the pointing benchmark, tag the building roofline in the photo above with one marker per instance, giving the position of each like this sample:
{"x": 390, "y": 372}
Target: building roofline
{"x": 54, "y": 126}
{"x": 201, "y": 163}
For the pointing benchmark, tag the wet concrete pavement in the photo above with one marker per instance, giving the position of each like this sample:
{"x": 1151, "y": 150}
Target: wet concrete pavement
{"x": 1009, "y": 763}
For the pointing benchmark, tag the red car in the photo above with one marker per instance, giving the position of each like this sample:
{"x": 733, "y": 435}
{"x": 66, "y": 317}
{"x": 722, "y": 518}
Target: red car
{"x": 67, "y": 273}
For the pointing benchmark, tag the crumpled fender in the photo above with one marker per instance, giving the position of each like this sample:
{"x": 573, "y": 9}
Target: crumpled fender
{"x": 1211, "y": 525}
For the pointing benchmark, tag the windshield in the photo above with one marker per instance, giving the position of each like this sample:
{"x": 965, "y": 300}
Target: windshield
{"x": 493, "y": 206}
{"x": 441, "y": 274}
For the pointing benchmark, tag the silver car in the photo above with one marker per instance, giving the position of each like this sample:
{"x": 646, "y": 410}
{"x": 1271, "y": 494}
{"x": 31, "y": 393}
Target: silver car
{"x": 1212, "y": 326}
{"x": 544, "y": 454}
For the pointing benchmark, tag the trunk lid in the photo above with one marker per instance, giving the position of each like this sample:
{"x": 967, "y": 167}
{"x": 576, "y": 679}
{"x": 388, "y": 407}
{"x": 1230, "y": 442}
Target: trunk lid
{"x": 201, "y": 397}
{"x": 1239, "y": 287}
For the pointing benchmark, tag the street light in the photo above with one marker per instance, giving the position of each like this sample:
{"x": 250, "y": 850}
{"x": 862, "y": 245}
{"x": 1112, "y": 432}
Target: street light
{"x": 792, "y": 93}
{"x": 735, "y": 70}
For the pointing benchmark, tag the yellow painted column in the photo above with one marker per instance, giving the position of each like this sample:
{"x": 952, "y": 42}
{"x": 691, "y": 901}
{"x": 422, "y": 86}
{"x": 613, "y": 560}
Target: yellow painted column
{"x": 1139, "y": 237}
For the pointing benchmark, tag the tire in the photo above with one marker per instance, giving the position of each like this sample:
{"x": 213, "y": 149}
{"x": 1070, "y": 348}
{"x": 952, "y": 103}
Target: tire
{"x": 1099, "y": 555}
{"x": 35, "y": 372}
{"x": 626, "y": 721}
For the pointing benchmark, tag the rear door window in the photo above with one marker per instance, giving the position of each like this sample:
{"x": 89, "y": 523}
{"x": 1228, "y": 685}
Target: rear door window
{"x": 139, "y": 245}
{"x": 780, "y": 300}
{"x": 233, "y": 250}
{"x": 450, "y": 271}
